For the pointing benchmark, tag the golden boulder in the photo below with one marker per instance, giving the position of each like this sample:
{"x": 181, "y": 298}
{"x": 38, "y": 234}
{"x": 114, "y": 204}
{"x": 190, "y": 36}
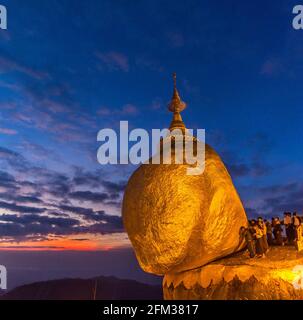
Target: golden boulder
{"x": 178, "y": 222}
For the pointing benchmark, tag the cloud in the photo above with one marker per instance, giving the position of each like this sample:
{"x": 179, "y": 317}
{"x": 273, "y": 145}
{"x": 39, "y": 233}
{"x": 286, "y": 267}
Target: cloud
{"x": 20, "y": 227}
{"x": 47, "y": 106}
{"x": 95, "y": 197}
{"x": 57, "y": 184}
{"x": 38, "y": 151}
{"x": 9, "y": 154}
{"x": 254, "y": 162}
{"x": 252, "y": 169}
{"x": 273, "y": 200}
{"x": 17, "y": 208}
{"x": 280, "y": 188}
{"x": 91, "y": 179}
{"x": 43, "y": 220}
{"x": 238, "y": 170}
{"x": 157, "y": 104}
{"x": 9, "y": 132}
{"x": 129, "y": 109}
{"x": 86, "y": 213}
{"x": 10, "y": 65}
{"x": 113, "y": 186}
{"x": 31, "y": 247}
{"x": 113, "y": 61}
{"x": 20, "y": 199}
{"x": 115, "y": 226}
{"x": 96, "y": 180}
{"x": 48, "y": 204}
{"x": 11, "y": 86}
{"x": 13, "y": 159}
{"x": 285, "y": 198}
{"x": 271, "y": 67}
{"x": 51, "y": 182}
{"x": 91, "y": 215}
{"x": 126, "y": 110}
{"x": 8, "y": 105}
{"x": 34, "y": 222}
{"x": 7, "y": 180}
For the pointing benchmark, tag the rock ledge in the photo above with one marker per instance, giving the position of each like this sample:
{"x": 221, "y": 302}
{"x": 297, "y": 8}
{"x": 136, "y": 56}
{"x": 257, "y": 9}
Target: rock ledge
{"x": 276, "y": 277}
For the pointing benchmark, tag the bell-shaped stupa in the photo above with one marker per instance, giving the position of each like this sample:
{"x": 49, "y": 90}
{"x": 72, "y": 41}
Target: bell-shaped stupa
{"x": 178, "y": 222}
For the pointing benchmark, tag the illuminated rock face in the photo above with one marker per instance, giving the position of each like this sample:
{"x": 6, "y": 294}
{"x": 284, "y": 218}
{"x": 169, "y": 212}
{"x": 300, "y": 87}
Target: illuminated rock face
{"x": 178, "y": 222}
{"x": 278, "y": 277}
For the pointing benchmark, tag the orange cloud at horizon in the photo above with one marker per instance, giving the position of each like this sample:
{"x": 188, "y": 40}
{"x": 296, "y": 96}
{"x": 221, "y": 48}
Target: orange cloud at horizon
{"x": 82, "y": 242}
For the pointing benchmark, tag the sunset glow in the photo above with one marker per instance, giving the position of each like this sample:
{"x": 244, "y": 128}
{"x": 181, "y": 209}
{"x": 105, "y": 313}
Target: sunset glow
{"x": 81, "y": 242}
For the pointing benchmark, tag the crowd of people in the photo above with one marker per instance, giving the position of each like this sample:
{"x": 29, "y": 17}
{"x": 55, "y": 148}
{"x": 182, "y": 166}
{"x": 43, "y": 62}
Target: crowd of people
{"x": 262, "y": 233}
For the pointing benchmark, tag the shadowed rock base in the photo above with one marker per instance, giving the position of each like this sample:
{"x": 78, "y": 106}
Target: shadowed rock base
{"x": 277, "y": 277}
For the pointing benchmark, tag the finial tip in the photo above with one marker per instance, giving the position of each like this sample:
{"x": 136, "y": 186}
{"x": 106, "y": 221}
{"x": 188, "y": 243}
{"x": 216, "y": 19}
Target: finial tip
{"x": 176, "y": 104}
{"x": 175, "y": 79}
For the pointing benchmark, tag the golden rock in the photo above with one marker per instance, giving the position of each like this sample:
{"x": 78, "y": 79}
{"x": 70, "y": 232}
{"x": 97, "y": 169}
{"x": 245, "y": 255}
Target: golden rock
{"x": 178, "y": 222}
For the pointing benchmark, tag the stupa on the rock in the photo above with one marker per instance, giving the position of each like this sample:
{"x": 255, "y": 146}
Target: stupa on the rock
{"x": 178, "y": 222}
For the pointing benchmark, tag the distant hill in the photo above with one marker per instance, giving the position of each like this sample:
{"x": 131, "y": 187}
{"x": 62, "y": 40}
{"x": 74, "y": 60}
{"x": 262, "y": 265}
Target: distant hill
{"x": 104, "y": 288}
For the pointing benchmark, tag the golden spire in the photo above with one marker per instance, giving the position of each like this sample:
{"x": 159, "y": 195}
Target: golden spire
{"x": 176, "y": 106}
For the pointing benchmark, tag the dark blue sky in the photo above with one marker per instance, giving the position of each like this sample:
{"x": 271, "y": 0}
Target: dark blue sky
{"x": 70, "y": 68}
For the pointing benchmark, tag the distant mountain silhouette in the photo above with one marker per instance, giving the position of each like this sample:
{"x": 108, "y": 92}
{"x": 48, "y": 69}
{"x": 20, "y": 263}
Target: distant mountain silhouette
{"x": 101, "y": 288}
